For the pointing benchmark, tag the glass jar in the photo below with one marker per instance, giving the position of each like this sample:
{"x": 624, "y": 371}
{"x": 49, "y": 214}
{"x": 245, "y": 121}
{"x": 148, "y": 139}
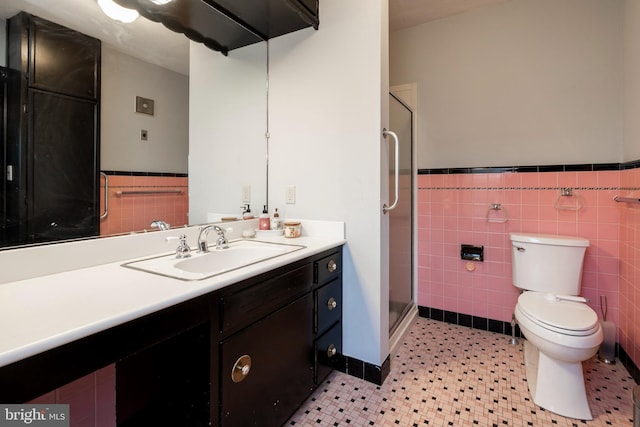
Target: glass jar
{"x": 292, "y": 229}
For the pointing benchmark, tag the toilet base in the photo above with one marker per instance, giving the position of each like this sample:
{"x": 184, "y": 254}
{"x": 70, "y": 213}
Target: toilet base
{"x": 556, "y": 385}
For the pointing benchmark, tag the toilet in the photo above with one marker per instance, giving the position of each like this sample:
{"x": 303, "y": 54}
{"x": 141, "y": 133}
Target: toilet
{"x": 561, "y": 330}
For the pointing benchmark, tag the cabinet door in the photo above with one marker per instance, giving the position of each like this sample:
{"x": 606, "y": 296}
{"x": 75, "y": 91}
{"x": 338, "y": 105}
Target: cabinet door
{"x": 63, "y": 60}
{"x": 277, "y": 357}
{"x": 62, "y": 169}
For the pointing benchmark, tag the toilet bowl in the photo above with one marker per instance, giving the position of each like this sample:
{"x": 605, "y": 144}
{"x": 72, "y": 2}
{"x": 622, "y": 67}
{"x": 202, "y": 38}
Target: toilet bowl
{"x": 561, "y": 331}
{"x": 565, "y": 330}
{"x": 559, "y": 336}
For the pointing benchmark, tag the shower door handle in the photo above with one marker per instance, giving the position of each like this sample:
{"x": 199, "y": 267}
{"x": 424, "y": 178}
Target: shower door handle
{"x": 385, "y": 132}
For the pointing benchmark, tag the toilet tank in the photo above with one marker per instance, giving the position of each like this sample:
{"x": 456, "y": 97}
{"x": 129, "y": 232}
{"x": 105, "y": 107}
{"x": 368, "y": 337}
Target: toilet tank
{"x": 547, "y": 263}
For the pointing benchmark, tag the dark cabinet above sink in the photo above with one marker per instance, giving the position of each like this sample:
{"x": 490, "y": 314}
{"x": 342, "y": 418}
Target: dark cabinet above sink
{"x": 224, "y": 25}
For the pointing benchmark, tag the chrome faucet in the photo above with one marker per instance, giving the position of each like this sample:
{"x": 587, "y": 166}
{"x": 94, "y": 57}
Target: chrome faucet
{"x": 221, "y": 242}
{"x": 160, "y": 225}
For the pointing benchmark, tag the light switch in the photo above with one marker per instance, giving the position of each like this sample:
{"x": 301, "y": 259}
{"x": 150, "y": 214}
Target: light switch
{"x": 290, "y": 195}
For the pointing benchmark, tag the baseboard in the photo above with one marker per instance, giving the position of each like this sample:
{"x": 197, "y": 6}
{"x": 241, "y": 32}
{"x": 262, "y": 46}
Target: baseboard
{"x": 366, "y": 371}
{"x": 475, "y": 322}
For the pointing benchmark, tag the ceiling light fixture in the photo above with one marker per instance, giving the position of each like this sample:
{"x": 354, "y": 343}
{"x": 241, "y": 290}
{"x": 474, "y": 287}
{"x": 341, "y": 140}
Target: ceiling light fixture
{"x": 117, "y": 12}
{"x": 161, "y": 2}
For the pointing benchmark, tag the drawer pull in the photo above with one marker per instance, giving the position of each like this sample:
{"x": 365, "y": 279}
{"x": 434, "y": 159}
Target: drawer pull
{"x": 332, "y": 303}
{"x": 331, "y": 351}
{"x": 241, "y": 368}
{"x": 331, "y": 266}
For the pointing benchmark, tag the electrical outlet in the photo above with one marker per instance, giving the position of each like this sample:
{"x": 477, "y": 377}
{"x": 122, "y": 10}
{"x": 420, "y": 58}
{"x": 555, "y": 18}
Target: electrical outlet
{"x": 144, "y": 135}
{"x": 290, "y": 194}
{"x": 246, "y": 194}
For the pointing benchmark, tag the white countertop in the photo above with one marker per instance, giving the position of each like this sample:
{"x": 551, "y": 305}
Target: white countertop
{"x": 45, "y": 312}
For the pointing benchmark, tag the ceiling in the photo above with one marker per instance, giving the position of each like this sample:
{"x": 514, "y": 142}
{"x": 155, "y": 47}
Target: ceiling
{"x": 151, "y": 42}
{"x": 409, "y": 13}
{"x": 144, "y": 39}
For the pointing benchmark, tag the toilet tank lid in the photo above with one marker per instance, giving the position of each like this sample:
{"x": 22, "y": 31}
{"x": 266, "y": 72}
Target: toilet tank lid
{"x": 549, "y": 239}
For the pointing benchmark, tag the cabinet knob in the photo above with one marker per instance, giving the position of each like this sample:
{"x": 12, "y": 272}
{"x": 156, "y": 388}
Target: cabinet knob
{"x": 331, "y": 351}
{"x": 241, "y": 368}
{"x": 331, "y": 266}
{"x": 332, "y": 303}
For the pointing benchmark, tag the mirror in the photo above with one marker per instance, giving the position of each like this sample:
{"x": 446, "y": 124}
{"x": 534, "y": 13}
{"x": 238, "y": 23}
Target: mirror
{"x": 145, "y": 157}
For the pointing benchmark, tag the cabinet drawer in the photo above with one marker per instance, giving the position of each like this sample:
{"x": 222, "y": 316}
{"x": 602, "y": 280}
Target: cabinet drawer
{"x": 328, "y": 305}
{"x": 328, "y": 352}
{"x": 327, "y": 268}
{"x": 243, "y": 307}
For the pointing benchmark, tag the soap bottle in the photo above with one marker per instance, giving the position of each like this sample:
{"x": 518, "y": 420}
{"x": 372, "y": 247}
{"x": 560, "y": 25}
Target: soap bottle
{"x": 265, "y": 222}
{"x": 275, "y": 221}
{"x": 246, "y": 214}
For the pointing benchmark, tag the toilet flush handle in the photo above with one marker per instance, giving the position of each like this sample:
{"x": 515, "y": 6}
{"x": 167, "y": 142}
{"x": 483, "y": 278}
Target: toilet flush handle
{"x": 519, "y": 248}
{"x": 560, "y": 297}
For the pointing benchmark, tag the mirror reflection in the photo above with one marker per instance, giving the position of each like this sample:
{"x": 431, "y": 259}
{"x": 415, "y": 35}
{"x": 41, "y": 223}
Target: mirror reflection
{"x": 142, "y": 132}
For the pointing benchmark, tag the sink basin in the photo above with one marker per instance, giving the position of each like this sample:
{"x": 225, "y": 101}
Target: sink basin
{"x": 217, "y": 261}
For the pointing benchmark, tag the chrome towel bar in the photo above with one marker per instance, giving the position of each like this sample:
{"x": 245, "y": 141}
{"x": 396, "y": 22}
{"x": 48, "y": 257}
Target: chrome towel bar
{"x": 145, "y": 192}
{"x": 626, "y": 199}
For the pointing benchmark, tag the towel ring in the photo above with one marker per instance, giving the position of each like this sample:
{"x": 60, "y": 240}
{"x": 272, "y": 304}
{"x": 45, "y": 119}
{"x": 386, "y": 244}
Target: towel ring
{"x": 497, "y": 213}
{"x": 568, "y": 193}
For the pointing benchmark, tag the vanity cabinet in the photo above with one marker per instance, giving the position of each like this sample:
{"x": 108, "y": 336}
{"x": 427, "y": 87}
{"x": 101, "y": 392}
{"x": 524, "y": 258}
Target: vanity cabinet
{"x": 52, "y": 138}
{"x": 246, "y": 354}
{"x": 279, "y": 339}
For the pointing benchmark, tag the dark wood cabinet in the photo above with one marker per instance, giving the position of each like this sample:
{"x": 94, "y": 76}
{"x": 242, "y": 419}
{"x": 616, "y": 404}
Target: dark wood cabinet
{"x": 327, "y": 346}
{"x": 52, "y": 136}
{"x": 62, "y": 60}
{"x": 266, "y": 369}
{"x": 279, "y": 339}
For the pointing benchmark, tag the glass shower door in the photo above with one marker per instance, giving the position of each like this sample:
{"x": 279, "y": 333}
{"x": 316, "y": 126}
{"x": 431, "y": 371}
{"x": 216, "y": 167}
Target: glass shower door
{"x": 401, "y": 218}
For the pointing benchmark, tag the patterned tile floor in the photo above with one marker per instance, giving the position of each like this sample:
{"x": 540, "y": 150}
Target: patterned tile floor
{"x": 449, "y": 375}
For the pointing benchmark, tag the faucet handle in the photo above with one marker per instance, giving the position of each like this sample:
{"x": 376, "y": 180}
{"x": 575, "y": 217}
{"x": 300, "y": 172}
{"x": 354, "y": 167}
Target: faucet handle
{"x": 183, "y": 250}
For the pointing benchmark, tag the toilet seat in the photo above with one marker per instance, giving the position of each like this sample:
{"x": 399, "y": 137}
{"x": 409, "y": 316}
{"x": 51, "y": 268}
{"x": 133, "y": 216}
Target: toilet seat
{"x": 564, "y": 317}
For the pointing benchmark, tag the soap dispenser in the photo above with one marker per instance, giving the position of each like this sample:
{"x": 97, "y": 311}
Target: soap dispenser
{"x": 276, "y": 224}
{"x": 246, "y": 213}
{"x": 265, "y": 221}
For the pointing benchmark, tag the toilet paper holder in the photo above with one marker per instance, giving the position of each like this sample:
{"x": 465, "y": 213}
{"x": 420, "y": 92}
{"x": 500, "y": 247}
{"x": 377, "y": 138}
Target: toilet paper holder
{"x": 472, "y": 252}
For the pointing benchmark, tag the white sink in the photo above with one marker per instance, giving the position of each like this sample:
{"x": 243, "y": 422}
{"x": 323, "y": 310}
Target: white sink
{"x": 201, "y": 266}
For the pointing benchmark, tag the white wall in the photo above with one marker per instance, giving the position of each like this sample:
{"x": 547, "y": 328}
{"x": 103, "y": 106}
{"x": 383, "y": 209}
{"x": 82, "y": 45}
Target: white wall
{"x": 3, "y": 43}
{"x": 227, "y": 125}
{"x": 524, "y": 82}
{"x": 123, "y": 78}
{"x": 631, "y": 80}
{"x": 328, "y": 97}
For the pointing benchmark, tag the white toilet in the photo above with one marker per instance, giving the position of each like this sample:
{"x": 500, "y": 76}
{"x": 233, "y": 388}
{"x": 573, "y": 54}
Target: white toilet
{"x": 561, "y": 331}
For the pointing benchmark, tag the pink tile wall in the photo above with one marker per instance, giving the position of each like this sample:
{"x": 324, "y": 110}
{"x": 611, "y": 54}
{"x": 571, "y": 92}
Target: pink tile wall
{"x": 452, "y": 210}
{"x": 136, "y": 212}
{"x": 629, "y": 326}
{"x": 91, "y": 399}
